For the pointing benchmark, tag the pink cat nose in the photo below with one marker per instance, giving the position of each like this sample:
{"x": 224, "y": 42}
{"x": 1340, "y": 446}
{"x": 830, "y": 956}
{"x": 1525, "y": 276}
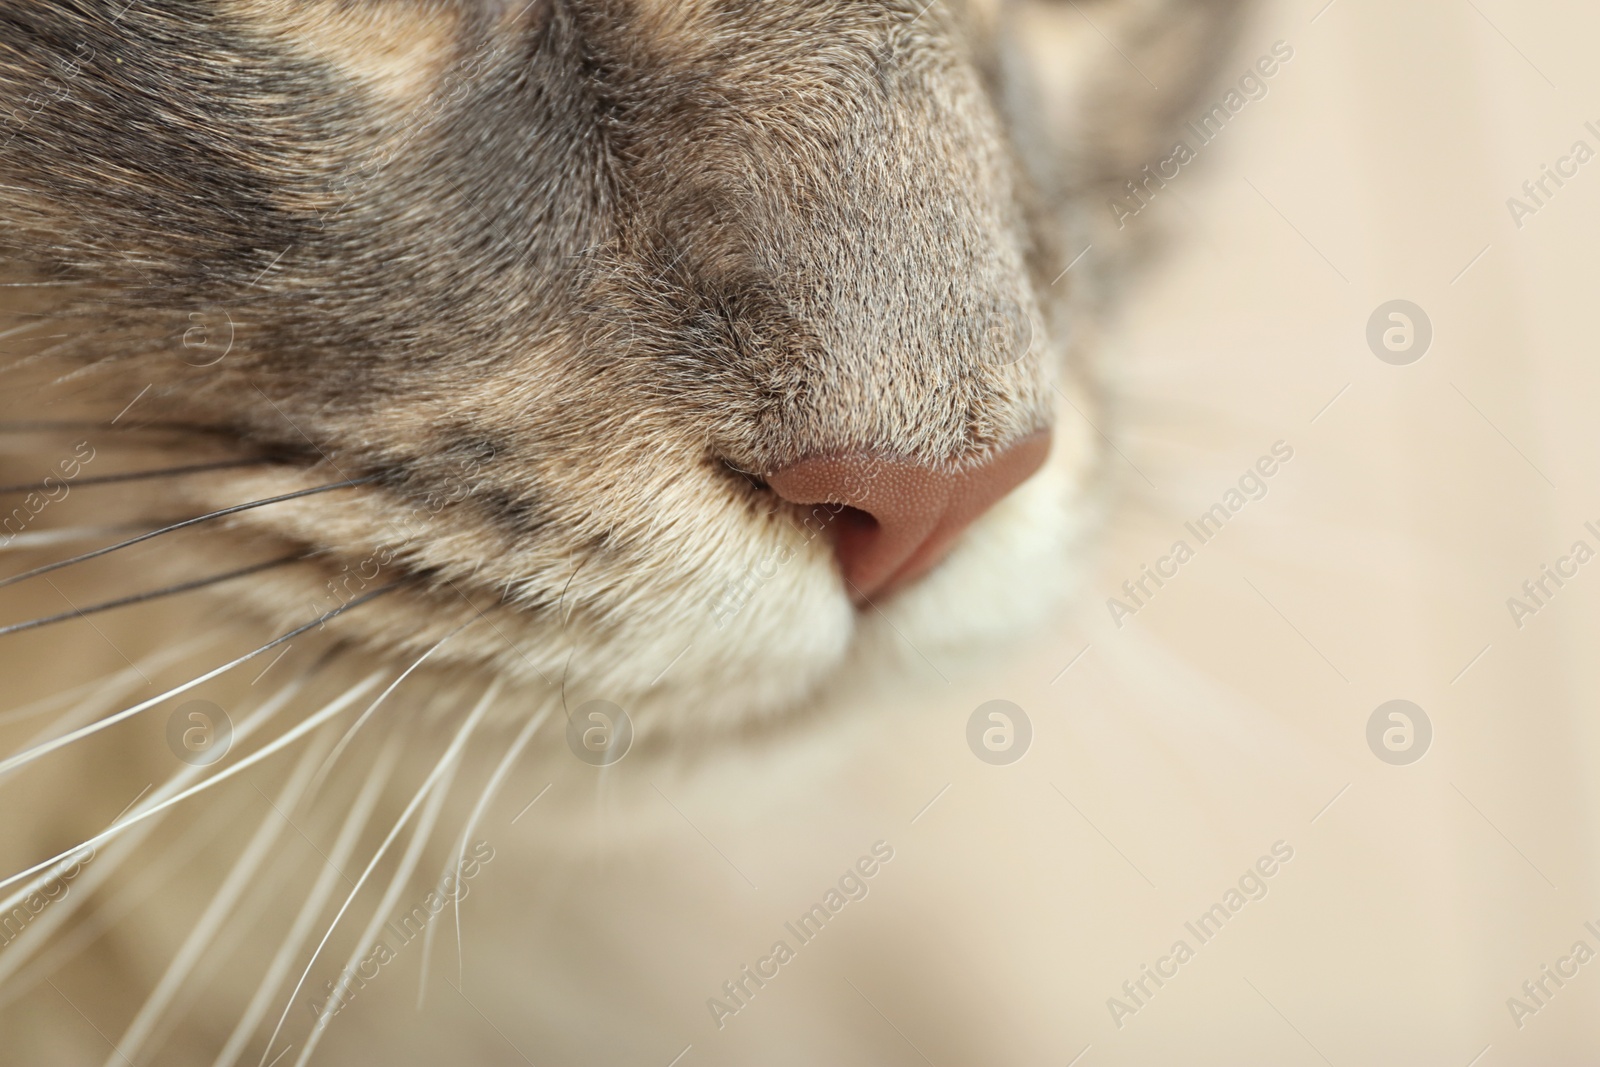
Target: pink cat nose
{"x": 900, "y": 516}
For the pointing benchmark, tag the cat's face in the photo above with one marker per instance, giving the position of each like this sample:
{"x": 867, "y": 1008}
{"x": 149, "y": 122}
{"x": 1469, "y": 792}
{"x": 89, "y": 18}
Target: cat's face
{"x": 684, "y": 354}
{"x": 568, "y": 288}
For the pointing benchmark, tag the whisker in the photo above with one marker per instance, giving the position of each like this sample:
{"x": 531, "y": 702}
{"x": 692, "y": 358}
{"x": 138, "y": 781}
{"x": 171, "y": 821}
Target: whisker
{"x": 104, "y": 686}
{"x": 109, "y": 912}
{"x": 427, "y": 786}
{"x": 333, "y": 757}
{"x": 23, "y": 542}
{"x": 45, "y": 353}
{"x": 103, "y": 690}
{"x": 27, "y": 426}
{"x": 29, "y": 755}
{"x": 289, "y": 737}
{"x": 405, "y": 868}
{"x": 103, "y": 870}
{"x": 21, "y": 948}
{"x": 47, "y": 568}
{"x": 239, "y": 878}
{"x": 138, "y": 476}
{"x": 355, "y": 823}
{"x": 490, "y": 789}
{"x": 24, "y": 328}
{"x": 242, "y": 931}
{"x": 154, "y": 594}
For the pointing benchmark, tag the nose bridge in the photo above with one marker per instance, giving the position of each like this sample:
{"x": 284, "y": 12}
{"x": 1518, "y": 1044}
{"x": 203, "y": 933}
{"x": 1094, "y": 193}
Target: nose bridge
{"x": 926, "y": 373}
{"x": 899, "y": 249}
{"x": 904, "y": 515}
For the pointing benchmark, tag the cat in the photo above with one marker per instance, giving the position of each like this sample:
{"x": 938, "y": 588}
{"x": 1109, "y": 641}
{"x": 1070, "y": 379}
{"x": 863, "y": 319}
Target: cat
{"x": 658, "y": 364}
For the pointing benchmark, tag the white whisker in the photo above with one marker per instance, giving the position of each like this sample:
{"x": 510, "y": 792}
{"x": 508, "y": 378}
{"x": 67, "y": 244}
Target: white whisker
{"x": 238, "y": 879}
{"x": 101, "y": 690}
{"x": 407, "y": 865}
{"x": 66, "y": 535}
{"x": 24, "y": 328}
{"x": 290, "y": 737}
{"x": 349, "y": 834}
{"x": 338, "y": 750}
{"x": 105, "y": 866}
{"x": 455, "y": 746}
{"x": 23, "y": 948}
{"x": 490, "y": 789}
{"x": 109, "y": 911}
{"x": 242, "y": 930}
{"x": 29, "y": 755}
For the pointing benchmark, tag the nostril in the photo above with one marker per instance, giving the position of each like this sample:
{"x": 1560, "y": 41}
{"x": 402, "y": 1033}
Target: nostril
{"x": 856, "y": 519}
{"x": 900, "y": 516}
{"x": 855, "y": 536}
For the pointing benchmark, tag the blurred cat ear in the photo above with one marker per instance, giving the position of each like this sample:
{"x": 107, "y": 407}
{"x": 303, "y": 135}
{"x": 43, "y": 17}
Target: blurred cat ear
{"x": 1110, "y": 111}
